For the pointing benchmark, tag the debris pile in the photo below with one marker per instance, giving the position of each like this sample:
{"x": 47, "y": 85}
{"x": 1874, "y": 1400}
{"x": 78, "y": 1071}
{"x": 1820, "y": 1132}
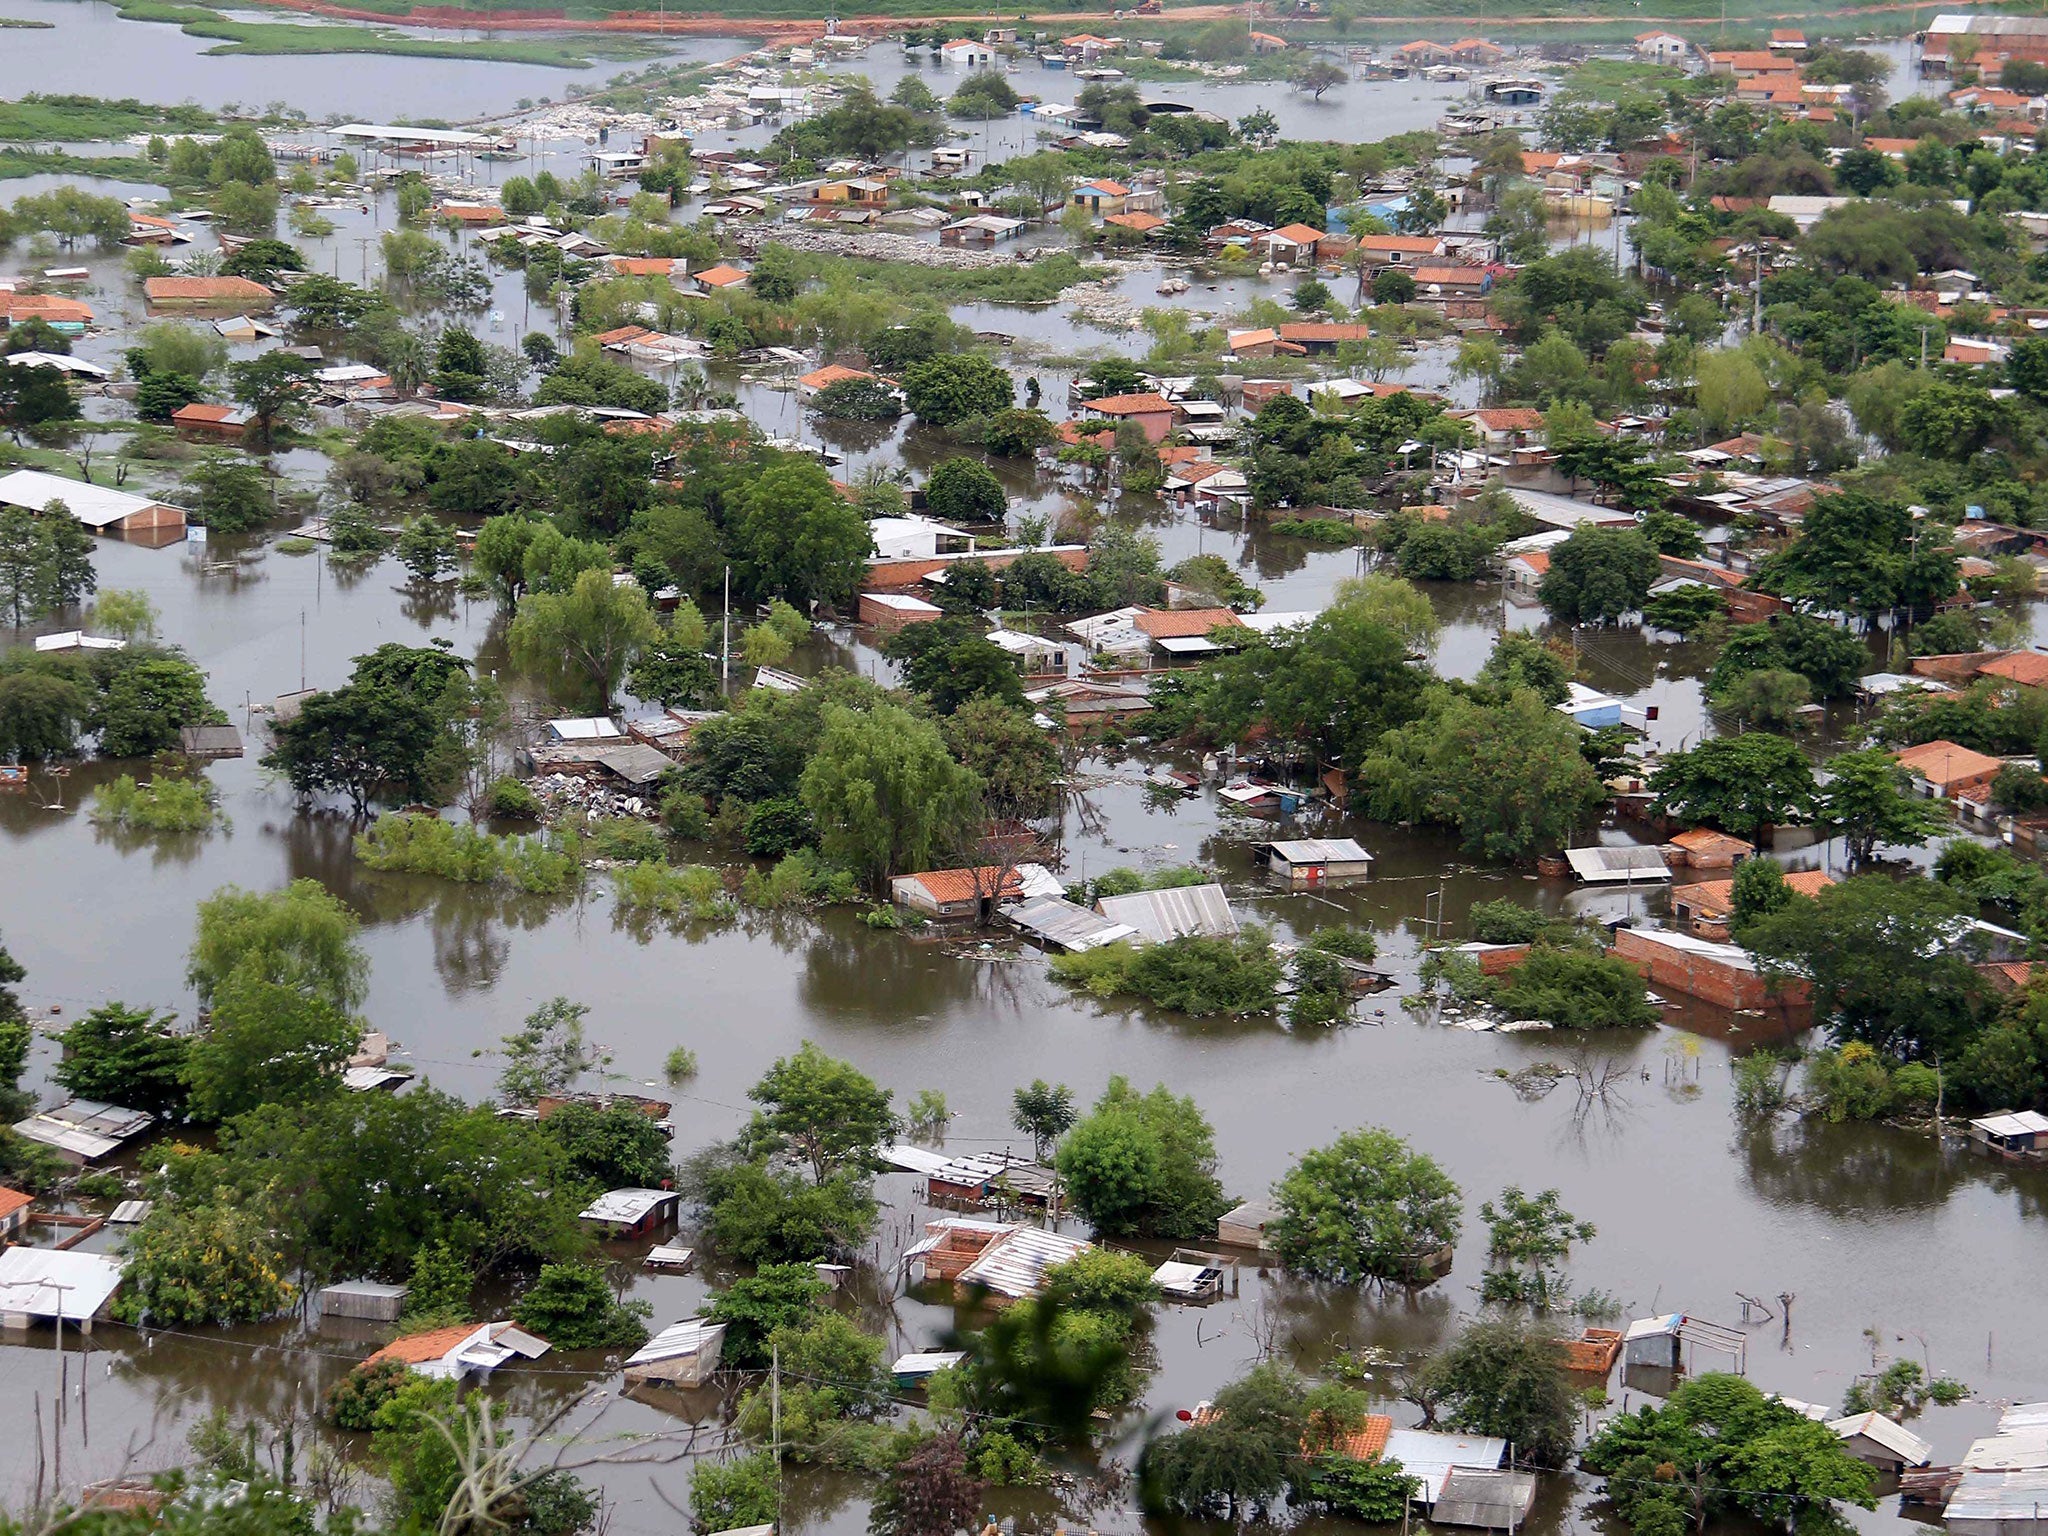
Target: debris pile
{"x": 563, "y": 794}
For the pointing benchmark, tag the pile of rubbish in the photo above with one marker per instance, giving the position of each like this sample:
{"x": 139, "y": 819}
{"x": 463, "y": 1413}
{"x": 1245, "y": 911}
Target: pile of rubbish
{"x": 568, "y": 794}
{"x": 1097, "y": 303}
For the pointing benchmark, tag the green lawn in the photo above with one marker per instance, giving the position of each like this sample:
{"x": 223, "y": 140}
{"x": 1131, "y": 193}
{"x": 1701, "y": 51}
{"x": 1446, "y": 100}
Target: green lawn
{"x": 80, "y": 119}
{"x": 286, "y": 37}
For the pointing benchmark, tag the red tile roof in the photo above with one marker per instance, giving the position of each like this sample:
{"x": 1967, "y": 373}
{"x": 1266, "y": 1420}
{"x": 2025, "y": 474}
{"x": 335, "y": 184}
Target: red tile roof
{"x": 1366, "y": 1441}
{"x": 837, "y": 373}
{"x": 624, "y": 333}
{"x": 1716, "y": 898}
{"x": 43, "y": 306}
{"x": 2028, "y": 667}
{"x": 418, "y": 1348}
{"x": 1182, "y": 623}
{"x": 1537, "y": 560}
{"x": 1300, "y": 234}
{"x": 1323, "y": 330}
{"x": 1411, "y": 245}
{"x": 950, "y": 885}
{"x": 721, "y": 276}
{"x": 1943, "y": 762}
{"x": 12, "y": 1200}
{"x": 200, "y": 413}
{"x": 1143, "y": 223}
{"x": 1129, "y": 405}
{"x": 1707, "y": 840}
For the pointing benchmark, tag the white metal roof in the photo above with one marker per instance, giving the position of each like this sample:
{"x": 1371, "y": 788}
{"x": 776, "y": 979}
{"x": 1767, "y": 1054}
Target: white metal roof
{"x": 589, "y": 728}
{"x": 2024, "y": 1122}
{"x": 913, "y": 1159}
{"x": 86, "y": 1127}
{"x": 60, "y": 361}
{"x": 690, "y": 1337}
{"x": 2023, "y": 1451}
{"x": 1655, "y": 1327}
{"x": 1998, "y": 1496}
{"x": 1432, "y": 1456}
{"x": 1886, "y": 1434}
{"x": 1020, "y": 644}
{"x": 1178, "y": 1278}
{"x": 928, "y": 1362}
{"x": 1277, "y": 623}
{"x": 627, "y": 1207}
{"x": 96, "y": 506}
{"x": 1607, "y": 865}
{"x": 399, "y": 134}
{"x": 1059, "y": 921}
{"x": 43, "y": 1282}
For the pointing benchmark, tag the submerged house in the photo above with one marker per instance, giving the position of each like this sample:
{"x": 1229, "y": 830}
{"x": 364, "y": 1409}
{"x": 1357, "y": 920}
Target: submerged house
{"x": 1311, "y": 863}
{"x": 1007, "y": 1260}
{"x": 682, "y": 1355}
{"x": 464, "y": 1352}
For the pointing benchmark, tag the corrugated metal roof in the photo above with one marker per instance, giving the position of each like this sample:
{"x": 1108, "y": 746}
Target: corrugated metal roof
{"x": 1492, "y": 1499}
{"x": 1322, "y": 850}
{"x": 1157, "y": 916}
{"x": 1433, "y": 1456}
{"x": 1015, "y": 1265}
{"x": 1998, "y": 1496}
{"x": 689, "y": 1337}
{"x": 1883, "y": 1432}
{"x": 913, "y": 1159}
{"x": 627, "y": 1207}
{"x": 928, "y": 1362}
{"x": 1055, "y": 920}
{"x": 2025, "y": 1450}
{"x": 2025, "y": 1122}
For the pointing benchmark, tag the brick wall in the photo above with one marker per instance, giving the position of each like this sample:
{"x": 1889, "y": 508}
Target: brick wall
{"x": 1706, "y": 978}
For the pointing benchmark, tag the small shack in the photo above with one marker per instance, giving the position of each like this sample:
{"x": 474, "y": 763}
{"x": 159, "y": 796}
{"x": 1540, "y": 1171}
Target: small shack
{"x": 1881, "y": 1442}
{"x": 971, "y": 894}
{"x": 1311, "y": 863}
{"x": 979, "y": 1179}
{"x": 673, "y": 1257}
{"x": 2016, "y": 1133}
{"x": 1704, "y": 848}
{"x": 1594, "y": 1351}
{"x": 1244, "y": 1226}
{"x": 681, "y": 1355}
{"x": 1660, "y": 1341}
{"x": 1192, "y": 1275}
{"x": 623, "y": 1212}
{"x": 210, "y": 742}
{"x": 1010, "y": 1261}
{"x": 913, "y": 1369}
{"x": 15, "y": 1210}
{"x": 365, "y": 1299}
{"x": 56, "y": 1284}
{"x": 1495, "y": 1498}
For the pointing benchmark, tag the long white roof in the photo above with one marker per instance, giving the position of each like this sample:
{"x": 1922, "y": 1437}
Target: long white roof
{"x": 96, "y": 506}
{"x": 43, "y": 1281}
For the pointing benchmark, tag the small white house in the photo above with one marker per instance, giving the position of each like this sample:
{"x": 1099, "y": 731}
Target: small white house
{"x": 1662, "y": 47}
{"x": 964, "y": 53}
{"x": 681, "y": 1355}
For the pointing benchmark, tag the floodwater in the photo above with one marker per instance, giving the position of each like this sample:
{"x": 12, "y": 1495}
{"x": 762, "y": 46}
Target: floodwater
{"x": 89, "y": 49}
{"x": 1893, "y": 1245}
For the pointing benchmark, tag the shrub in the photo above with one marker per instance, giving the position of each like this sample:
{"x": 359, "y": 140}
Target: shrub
{"x": 626, "y": 840}
{"x": 684, "y": 813}
{"x": 161, "y": 805}
{"x": 1576, "y": 989}
{"x": 1351, "y": 943}
{"x": 572, "y": 1307}
{"x": 681, "y": 1065}
{"x": 671, "y": 890}
{"x": 510, "y": 797}
{"x": 1850, "y": 1083}
{"x": 1195, "y": 975}
{"x": 354, "y": 1400}
{"x": 1507, "y": 922}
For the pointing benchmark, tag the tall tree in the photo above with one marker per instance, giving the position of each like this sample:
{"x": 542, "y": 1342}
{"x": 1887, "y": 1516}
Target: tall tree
{"x": 885, "y": 794}
{"x": 825, "y": 1112}
{"x": 1365, "y": 1208}
{"x": 1868, "y": 799}
{"x": 584, "y": 638}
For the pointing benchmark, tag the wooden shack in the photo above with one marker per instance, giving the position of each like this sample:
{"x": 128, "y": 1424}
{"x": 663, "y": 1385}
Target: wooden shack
{"x": 366, "y": 1299}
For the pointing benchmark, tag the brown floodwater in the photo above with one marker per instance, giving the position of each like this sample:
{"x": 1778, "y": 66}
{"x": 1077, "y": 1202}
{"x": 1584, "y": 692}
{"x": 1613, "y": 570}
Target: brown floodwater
{"x": 1894, "y": 1246}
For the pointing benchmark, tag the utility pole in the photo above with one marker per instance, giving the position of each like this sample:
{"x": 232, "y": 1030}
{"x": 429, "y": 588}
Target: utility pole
{"x": 775, "y": 1422}
{"x": 725, "y": 648}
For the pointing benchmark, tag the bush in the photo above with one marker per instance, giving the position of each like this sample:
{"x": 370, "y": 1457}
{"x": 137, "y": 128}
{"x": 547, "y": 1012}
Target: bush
{"x": 412, "y": 842}
{"x": 681, "y": 1065}
{"x": 777, "y": 827}
{"x": 1331, "y": 531}
{"x": 162, "y": 805}
{"x": 354, "y": 1400}
{"x": 1760, "y": 1084}
{"x": 1576, "y": 989}
{"x": 673, "y": 891}
{"x": 729, "y": 1495}
{"x": 572, "y": 1307}
{"x": 626, "y": 840}
{"x": 1351, "y": 943}
{"x": 1507, "y": 922}
{"x": 1850, "y": 1083}
{"x": 684, "y": 813}
{"x": 803, "y": 879}
{"x": 1194, "y": 975}
{"x": 510, "y": 797}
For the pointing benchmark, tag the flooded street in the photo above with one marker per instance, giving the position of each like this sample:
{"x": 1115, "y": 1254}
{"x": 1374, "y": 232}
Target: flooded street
{"x": 1893, "y": 1245}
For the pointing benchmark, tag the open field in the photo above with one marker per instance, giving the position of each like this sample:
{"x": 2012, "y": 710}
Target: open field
{"x": 283, "y": 37}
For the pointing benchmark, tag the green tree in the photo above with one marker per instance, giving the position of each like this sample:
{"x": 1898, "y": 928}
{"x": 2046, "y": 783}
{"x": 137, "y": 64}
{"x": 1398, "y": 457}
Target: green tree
{"x": 945, "y": 390}
{"x": 731, "y": 1495}
{"x": 930, "y": 1492}
{"x": 753, "y": 1307}
{"x": 584, "y": 639}
{"x": 885, "y": 794}
{"x": 1365, "y": 1208}
{"x": 1143, "y": 1164}
{"x": 1868, "y": 799}
{"x": 427, "y": 547}
{"x": 1736, "y": 783}
{"x": 1719, "y": 1449}
{"x": 1241, "y": 1458}
{"x": 547, "y": 1054}
{"x": 1044, "y": 1112}
{"x": 964, "y": 490}
{"x": 201, "y": 1266}
{"x": 45, "y": 561}
{"x": 1599, "y": 574}
{"x": 572, "y": 1307}
{"x": 822, "y": 1112}
{"x": 1528, "y": 1238}
{"x": 266, "y": 1042}
{"x": 366, "y": 739}
{"x": 122, "y": 1055}
{"x": 302, "y": 937}
{"x": 793, "y": 536}
{"x": 1883, "y": 962}
{"x": 1508, "y": 1379}
{"x": 1758, "y": 890}
{"x": 612, "y": 1148}
{"x": 40, "y": 715}
{"x": 272, "y": 388}
{"x": 229, "y": 495}
{"x": 151, "y": 696}
{"x": 1015, "y": 760}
